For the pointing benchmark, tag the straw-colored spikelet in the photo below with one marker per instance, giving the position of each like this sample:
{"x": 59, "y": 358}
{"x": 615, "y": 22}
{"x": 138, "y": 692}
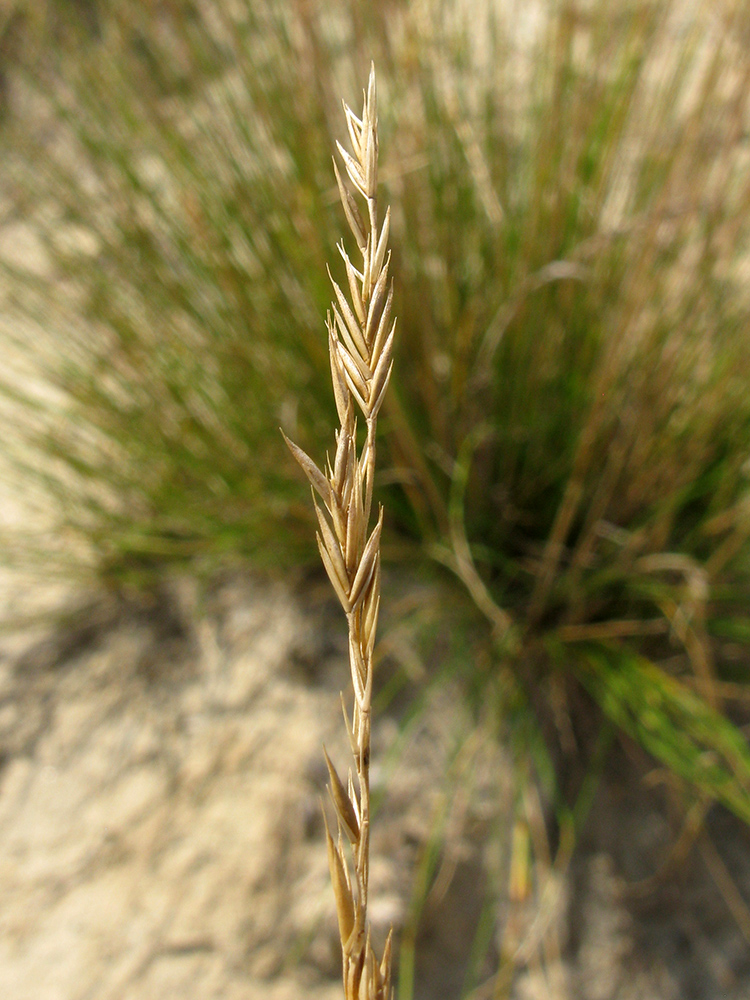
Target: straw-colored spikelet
{"x": 360, "y": 340}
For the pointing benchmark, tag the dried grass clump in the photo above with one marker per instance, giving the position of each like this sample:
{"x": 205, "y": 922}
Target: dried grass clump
{"x": 360, "y": 341}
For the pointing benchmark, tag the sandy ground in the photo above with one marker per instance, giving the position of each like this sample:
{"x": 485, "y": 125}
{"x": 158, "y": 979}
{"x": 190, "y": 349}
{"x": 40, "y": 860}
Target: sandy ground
{"x": 160, "y": 834}
{"x": 159, "y": 815}
{"x": 154, "y": 810}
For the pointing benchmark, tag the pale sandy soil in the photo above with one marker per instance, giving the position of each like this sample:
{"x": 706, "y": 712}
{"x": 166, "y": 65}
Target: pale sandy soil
{"x": 159, "y": 818}
{"x": 160, "y": 833}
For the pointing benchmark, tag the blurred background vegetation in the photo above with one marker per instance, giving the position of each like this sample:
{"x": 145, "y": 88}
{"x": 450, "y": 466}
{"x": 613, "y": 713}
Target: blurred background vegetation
{"x": 566, "y": 446}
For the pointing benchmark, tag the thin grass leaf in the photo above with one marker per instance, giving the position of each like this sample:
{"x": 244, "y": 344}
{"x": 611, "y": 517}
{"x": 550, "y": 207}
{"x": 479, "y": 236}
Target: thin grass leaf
{"x": 670, "y": 721}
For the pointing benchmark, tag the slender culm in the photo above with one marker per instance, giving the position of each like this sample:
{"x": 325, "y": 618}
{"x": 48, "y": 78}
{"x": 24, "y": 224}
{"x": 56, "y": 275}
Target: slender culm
{"x": 360, "y": 340}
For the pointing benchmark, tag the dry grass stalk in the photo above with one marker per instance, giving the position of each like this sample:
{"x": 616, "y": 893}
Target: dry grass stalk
{"x": 360, "y": 339}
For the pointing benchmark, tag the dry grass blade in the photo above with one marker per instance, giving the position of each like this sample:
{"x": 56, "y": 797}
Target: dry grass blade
{"x": 361, "y": 362}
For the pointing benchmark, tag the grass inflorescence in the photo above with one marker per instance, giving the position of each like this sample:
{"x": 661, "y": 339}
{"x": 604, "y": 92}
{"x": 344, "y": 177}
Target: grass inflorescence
{"x": 360, "y": 342}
